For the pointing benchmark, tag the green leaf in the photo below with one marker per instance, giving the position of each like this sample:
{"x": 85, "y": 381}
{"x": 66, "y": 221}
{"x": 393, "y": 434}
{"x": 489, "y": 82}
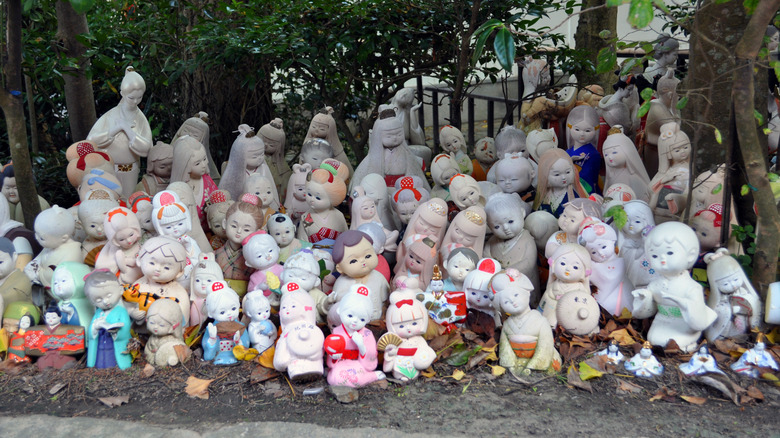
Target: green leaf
{"x": 587, "y": 372}
{"x": 504, "y": 46}
{"x": 647, "y": 93}
{"x": 682, "y": 102}
{"x": 616, "y": 3}
{"x": 640, "y": 13}
{"x": 28, "y": 4}
{"x": 643, "y": 109}
{"x": 618, "y": 215}
{"x": 772, "y": 177}
{"x": 606, "y": 60}
{"x": 759, "y": 117}
{"x": 82, "y": 6}
{"x": 629, "y": 65}
{"x": 462, "y": 358}
{"x": 718, "y": 136}
{"x": 490, "y": 24}
{"x": 605, "y": 34}
{"x": 744, "y": 190}
{"x": 750, "y": 6}
{"x": 717, "y": 189}
{"x": 479, "y": 47}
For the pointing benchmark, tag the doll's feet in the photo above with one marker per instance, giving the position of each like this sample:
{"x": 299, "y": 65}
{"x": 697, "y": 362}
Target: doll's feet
{"x": 380, "y": 375}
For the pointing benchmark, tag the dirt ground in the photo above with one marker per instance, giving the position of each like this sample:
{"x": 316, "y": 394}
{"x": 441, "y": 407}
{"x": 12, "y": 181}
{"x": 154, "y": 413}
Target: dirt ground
{"x": 478, "y": 403}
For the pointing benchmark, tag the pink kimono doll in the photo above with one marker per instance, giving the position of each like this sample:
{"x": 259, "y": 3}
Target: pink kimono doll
{"x": 262, "y": 253}
{"x": 608, "y": 272}
{"x": 485, "y": 152}
{"x": 282, "y": 229}
{"x": 191, "y": 165}
{"x": 119, "y": 254}
{"x": 322, "y": 222}
{"x": 242, "y": 219}
{"x": 467, "y": 229}
{"x": 559, "y": 182}
{"x": 323, "y": 126}
{"x": 454, "y": 144}
{"x": 408, "y": 320}
{"x": 247, "y": 156}
{"x": 351, "y": 349}
{"x": 570, "y": 269}
{"x": 430, "y": 219}
{"x": 159, "y": 164}
{"x": 299, "y": 349}
{"x": 582, "y": 126}
{"x": 204, "y": 274}
{"x": 295, "y": 201}
{"x": 419, "y": 261}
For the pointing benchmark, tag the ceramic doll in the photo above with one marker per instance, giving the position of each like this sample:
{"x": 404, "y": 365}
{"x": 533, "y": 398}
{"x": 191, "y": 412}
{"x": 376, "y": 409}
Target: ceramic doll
{"x": 16, "y": 352}
{"x": 204, "y": 274}
{"x": 162, "y": 261}
{"x": 612, "y": 352}
{"x": 617, "y": 194}
{"x": 662, "y": 110}
{"x": 419, "y": 261}
{"x": 159, "y": 164}
{"x": 569, "y": 272}
{"x": 67, "y": 289}
{"x": 755, "y": 358}
{"x": 263, "y": 187}
{"x": 53, "y": 228}
{"x": 485, "y": 153}
{"x": 614, "y": 111}
{"x": 314, "y": 152}
{"x": 465, "y": 192}
{"x": 141, "y": 205}
{"x": 282, "y": 229}
{"x": 226, "y": 332}
{"x": 408, "y": 320}
{"x": 82, "y": 157}
{"x": 608, "y": 269}
{"x": 511, "y": 244}
{"x": 676, "y": 300}
{"x": 166, "y": 332}
{"x": 408, "y": 196}
{"x": 54, "y": 343}
{"x": 407, "y": 111}
{"x": 242, "y": 219}
{"x": 708, "y": 224}
{"x": 323, "y": 126}
{"x": 247, "y": 156}
{"x": 188, "y": 200}
{"x": 454, "y": 144}
{"x": 273, "y": 137}
{"x": 9, "y": 189}
{"x": 644, "y": 364}
{"x": 262, "y": 254}
{"x": 303, "y": 269}
{"x": 591, "y": 94}
{"x": 631, "y": 243}
{"x": 515, "y": 174}
{"x": 13, "y": 230}
{"x": 578, "y": 313}
{"x": 322, "y": 222}
{"x": 582, "y": 127}
{"x": 540, "y": 141}
{"x": 376, "y": 188}
{"x": 447, "y": 306}
{"x": 109, "y": 330}
{"x": 443, "y": 168}
{"x": 218, "y": 205}
{"x": 119, "y": 254}
{"x": 574, "y": 214}
{"x": 670, "y": 185}
{"x": 467, "y": 229}
{"x": 559, "y": 182}
{"x": 14, "y": 284}
{"x": 623, "y": 164}
{"x": 430, "y": 219}
{"x": 191, "y": 165}
{"x": 364, "y": 211}
{"x": 197, "y": 127}
{"x": 356, "y": 260}
{"x": 479, "y": 296}
{"x": 526, "y": 341}
{"x": 124, "y": 133}
{"x": 700, "y": 363}
{"x": 299, "y": 349}
{"x": 732, "y": 297}
{"x": 351, "y": 349}
{"x": 172, "y": 219}
{"x": 509, "y": 140}
{"x": 377, "y": 235}
{"x": 97, "y": 180}
{"x": 295, "y": 201}
{"x": 262, "y": 332}
{"x": 92, "y": 215}
{"x": 707, "y": 190}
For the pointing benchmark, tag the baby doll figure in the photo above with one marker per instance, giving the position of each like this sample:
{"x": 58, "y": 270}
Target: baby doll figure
{"x": 14, "y": 284}
{"x": 732, "y": 297}
{"x": 351, "y": 349}
{"x": 467, "y": 229}
{"x": 582, "y": 127}
{"x": 282, "y": 229}
{"x": 570, "y": 269}
{"x": 608, "y": 273}
{"x": 574, "y": 214}
{"x": 322, "y": 223}
{"x": 273, "y": 137}
{"x": 624, "y": 164}
{"x": 443, "y": 168}
{"x": 92, "y": 213}
{"x": 485, "y": 152}
{"x": 540, "y": 141}
{"x": 109, "y": 330}
{"x": 559, "y": 182}
{"x": 262, "y": 254}
{"x": 454, "y": 144}
{"x": 53, "y": 228}
{"x": 226, "y": 332}
{"x": 303, "y": 269}
{"x": 509, "y": 140}
{"x": 511, "y": 244}
{"x": 408, "y": 196}
{"x": 670, "y": 185}
{"x": 171, "y": 218}
{"x": 516, "y": 174}
{"x": 141, "y": 205}
{"x": 247, "y": 156}
{"x": 159, "y": 164}
{"x": 465, "y": 192}
{"x": 408, "y": 320}
{"x": 242, "y": 219}
{"x": 419, "y": 261}
{"x": 191, "y": 165}
{"x": 295, "y": 201}
{"x": 263, "y": 187}
{"x": 262, "y": 332}
{"x": 676, "y": 300}
{"x": 166, "y": 332}
{"x": 356, "y": 260}
{"x": 644, "y": 364}
{"x": 216, "y": 209}
{"x": 188, "y": 200}
{"x": 67, "y": 289}
{"x": 376, "y": 188}
{"x": 314, "y": 151}
{"x": 377, "y": 235}
{"x": 204, "y": 274}
{"x": 482, "y": 315}
{"x": 299, "y": 350}
{"x": 631, "y": 242}
{"x": 364, "y": 211}
{"x": 119, "y": 254}
{"x": 323, "y": 126}
{"x": 526, "y": 341}
{"x": 430, "y": 219}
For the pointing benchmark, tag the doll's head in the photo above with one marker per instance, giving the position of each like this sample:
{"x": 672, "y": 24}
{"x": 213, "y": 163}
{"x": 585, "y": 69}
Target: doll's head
{"x": 256, "y": 306}
{"x": 375, "y": 187}
{"x": 260, "y": 250}
{"x": 141, "y": 205}
{"x": 132, "y": 81}
{"x": 162, "y": 259}
{"x": 467, "y": 229}
{"x": 671, "y": 248}
{"x": 190, "y": 160}
{"x": 54, "y": 226}
{"x": 582, "y": 125}
{"x": 674, "y": 146}
{"x": 509, "y": 277}
{"x": 420, "y": 258}
{"x": 216, "y": 212}
{"x": 92, "y": 213}
{"x": 222, "y": 303}
{"x": 122, "y": 227}
{"x": 599, "y": 239}
{"x": 7, "y": 258}
{"x": 324, "y": 190}
{"x": 377, "y": 234}
{"x": 540, "y": 141}
{"x": 82, "y": 157}
{"x": 353, "y": 253}
{"x": 443, "y": 168}
{"x": 505, "y": 215}
{"x": 297, "y": 306}
{"x": 477, "y": 284}
{"x": 296, "y": 187}
{"x": 570, "y": 263}
{"x": 159, "y": 162}
{"x": 246, "y": 154}
{"x": 282, "y": 229}
{"x": 323, "y": 125}
{"x": 98, "y": 179}
{"x": 515, "y": 298}
{"x": 575, "y": 211}
{"x": 408, "y": 196}
{"x": 406, "y": 316}
{"x": 514, "y": 173}
{"x": 557, "y": 171}
{"x": 452, "y": 139}
{"x": 205, "y": 272}
{"x": 460, "y": 262}
{"x": 639, "y": 218}
{"x": 314, "y": 151}
{"x": 485, "y": 151}
{"x": 707, "y": 224}
{"x": 388, "y": 131}
{"x": 725, "y": 276}
{"x": 591, "y": 95}
{"x": 102, "y": 289}
{"x": 243, "y": 218}
{"x": 355, "y": 308}
{"x": 8, "y": 183}
{"x": 665, "y": 49}
{"x": 302, "y": 268}
{"x": 465, "y": 191}
{"x": 363, "y": 208}
{"x": 511, "y": 140}
{"x": 619, "y": 152}
{"x": 430, "y": 219}
{"x": 52, "y": 316}
{"x": 261, "y": 186}
{"x": 164, "y": 317}
{"x": 169, "y": 215}
{"x": 617, "y": 194}
{"x": 273, "y": 137}
{"x": 707, "y": 189}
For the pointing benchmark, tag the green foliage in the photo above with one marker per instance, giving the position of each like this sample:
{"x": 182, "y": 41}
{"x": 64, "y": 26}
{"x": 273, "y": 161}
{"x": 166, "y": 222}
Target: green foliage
{"x": 504, "y": 46}
{"x": 618, "y": 215}
{"x": 82, "y": 6}
{"x": 606, "y": 60}
{"x": 746, "y": 236}
{"x": 640, "y": 13}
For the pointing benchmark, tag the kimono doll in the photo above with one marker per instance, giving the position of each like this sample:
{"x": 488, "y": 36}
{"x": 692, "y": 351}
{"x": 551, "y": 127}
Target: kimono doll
{"x": 226, "y": 332}
{"x": 109, "y": 330}
{"x": 559, "y": 182}
{"x": 242, "y": 219}
{"x": 191, "y": 165}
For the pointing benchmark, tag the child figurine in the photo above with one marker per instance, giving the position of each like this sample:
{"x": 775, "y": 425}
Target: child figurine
{"x": 303, "y": 268}
{"x": 226, "y": 332}
{"x": 377, "y": 235}
{"x": 204, "y": 274}
{"x": 479, "y": 298}
{"x": 407, "y": 353}
{"x": 166, "y": 332}
{"x": 247, "y": 156}
{"x": 509, "y": 140}
{"x": 376, "y": 188}
{"x": 732, "y": 297}
{"x": 262, "y": 254}
{"x": 612, "y": 352}
{"x": 408, "y": 196}
{"x": 364, "y": 210}
{"x": 53, "y": 228}
{"x": 613, "y": 288}
{"x": 644, "y": 364}
{"x": 67, "y": 289}
{"x": 453, "y": 143}
{"x": 109, "y": 330}
{"x": 465, "y": 192}
{"x": 511, "y": 244}
{"x": 569, "y": 272}
{"x": 16, "y": 352}
{"x": 582, "y": 127}
{"x": 540, "y": 141}
{"x": 419, "y": 261}
{"x": 443, "y": 168}
{"x": 467, "y": 229}
{"x": 351, "y": 349}
{"x": 669, "y": 187}
{"x": 516, "y": 174}
{"x": 356, "y": 260}
{"x": 242, "y": 219}
{"x": 314, "y": 151}
{"x": 159, "y": 163}
{"x": 485, "y": 153}
{"x": 191, "y": 165}
{"x": 119, "y": 254}
{"x": 755, "y": 358}
{"x": 707, "y": 224}
{"x": 141, "y": 205}
{"x": 624, "y": 165}
{"x": 262, "y": 332}
{"x": 631, "y": 242}
{"x": 171, "y": 218}
{"x": 216, "y": 210}
{"x": 282, "y": 229}
{"x": 430, "y": 219}
{"x": 92, "y": 214}
{"x": 14, "y": 285}
{"x": 323, "y": 126}
{"x": 676, "y": 300}
{"x": 273, "y": 137}
{"x": 700, "y": 363}
{"x": 295, "y": 201}
{"x": 322, "y": 223}
{"x": 263, "y": 187}
{"x": 299, "y": 350}
{"x": 559, "y": 182}
{"x": 526, "y": 341}
{"x": 187, "y": 199}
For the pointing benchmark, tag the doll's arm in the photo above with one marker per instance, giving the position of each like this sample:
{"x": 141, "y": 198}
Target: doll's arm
{"x": 544, "y": 352}
{"x": 644, "y": 306}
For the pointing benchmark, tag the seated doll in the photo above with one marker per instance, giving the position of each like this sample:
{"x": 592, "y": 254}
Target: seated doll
{"x": 282, "y": 229}
{"x": 356, "y": 260}
{"x": 53, "y": 230}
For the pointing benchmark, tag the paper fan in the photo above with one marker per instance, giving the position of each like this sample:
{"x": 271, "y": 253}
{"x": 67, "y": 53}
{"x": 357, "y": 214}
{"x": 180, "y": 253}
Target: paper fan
{"x": 388, "y": 339}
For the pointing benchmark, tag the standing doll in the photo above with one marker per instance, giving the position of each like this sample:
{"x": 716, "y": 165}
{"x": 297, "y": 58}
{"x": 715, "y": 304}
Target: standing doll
{"x": 407, "y": 353}
{"x": 559, "y": 182}
{"x": 273, "y": 137}
{"x": 732, "y": 297}
{"x": 453, "y": 143}
{"x": 623, "y": 164}
{"x": 204, "y": 274}
{"x": 247, "y": 156}
{"x": 226, "y": 332}
{"x": 67, "y": 289}
{"x": 322, "y": 223}
{"x": 262, "y": 332}
{"x": 582, "y": 127}
{"x": 109, "y": 331}
{"x": 485, "y": 152}
{"x": 119, "y": 254}
{"x": 613, "y": 288}
{"x": 242, "y": 219}
{"x": 569, "y": 272}
{"x": 191, "y": 165}
{"x": 299, "y": 350}
{"x": 262, "y": 254}
{"x": 295, "y": 201}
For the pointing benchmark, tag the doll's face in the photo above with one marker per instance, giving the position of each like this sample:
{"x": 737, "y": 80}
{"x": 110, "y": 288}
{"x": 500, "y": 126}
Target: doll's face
{"x": 514, "y": 180}
{"x": 506, "y": 224}
{"x": 224, "y": 310}
{"x": 615, "y": 157}
{"x": 707, "y": 232}
{"x": 176, "y": 228}
{"x": 263, "y": 189}
{"x": 405, "y": 210}
{"x": 561, "y": 174}
{"x": 238, "y": 226}
{"x": 446, "y": 175}
{"x": 158, "y": 326}
{"x": 478, "y": 298}
{"x": 7, "y": 264}
{"x": 462, "y": 235}
{"x": 215, "y": 223}
{"x": 291, "y": 310}
{"x": 582, "y": 133}
{"x": 62, "y": 284}
{"x": 283, "y": 233}
{"x": 51, "y": 319}
{"x": 408, "y": 327}
{"x": 10, "y": 191}
{"x": 255, "y": 156}
{"x": 132, "y": 97}
{"x": 570, "y": 220}
{"x": 126, "y": 237}
{"x": 681, "y": 152}
{"x": 425, "y": 227}
{"x": 636, "y": 223}
{"x": 668, "y": 258}
{"x": 317, "y": 197}
{"x": 458, "y": 267}
{"x": 200, "y": 164}
{"x": 49, "y": 240}
{"x": 452, "y": 143}
{"x": 485, "y": 152}
{"x": 359, "y": 260}
{"x": 265, "y": 253}
{"x": 305, "y": 279}
{"x": 368, "y": 210}
{"x": 568, "y": 268}
{"x": 258, "y": 309}
{"x": 393, "y": 137}
{"x": 299, "y": 191}
{"x": 271, "y": 145}
{"x": 314, "y": 157}
{"x": 93, "y": 226}
{"x": 601, "y": 250}
{"x": 414, "y": 262}
{"x": 513, "y": 300}
{"x": 106, "y": 296}
{"x": 730, "y": 283}
{"x": 318, "y": 129}
{"x": 354, "y": 317}
{"x": 202, "y": 282}
{"x": 468, "y": 195}
{"x": 144, "y": 215}
{"x": 162, "y": 168}
{"x": 24, "y": 323}
{"x": 160, "y": 268}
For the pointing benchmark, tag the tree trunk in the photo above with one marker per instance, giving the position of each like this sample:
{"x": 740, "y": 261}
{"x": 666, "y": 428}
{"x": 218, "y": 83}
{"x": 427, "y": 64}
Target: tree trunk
{"x": 13, "y": 107}
{"x": 459, "y": 88}
{"x": 587, "y": 37}
{"x": 79, "y": 96}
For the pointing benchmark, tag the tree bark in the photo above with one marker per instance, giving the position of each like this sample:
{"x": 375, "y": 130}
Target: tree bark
{"x": 587, "y": 37}
{"x": 79, "y": 96}
{"x": 459, "y": 88}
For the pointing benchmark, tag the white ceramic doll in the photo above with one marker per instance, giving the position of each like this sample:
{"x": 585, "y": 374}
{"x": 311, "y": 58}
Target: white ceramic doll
{"x": 612, "y": 352}
{"x": 617, "y": 194}
{"x": 226, "y": 331}
{"x": 443, "y": 168}
{"x": 485, "y": 157}
{"x": 578, "y": 313}
{"x": 540, "y": 141}
{"x": 624, "y": 165}
{"x": 314, "y": 151}
{"x": 676, "y": 300}
{"x": 408, "y": 196}
{"x": 516, "y": 174}
{"x": 453, "y": 143}
{"x": 159, "y": 163}
{"x": 732, "y": 297}
{"x": 376, "y": 188}
{"x": 247, "y": 156}
{"x": 669, "y": 186}
{"x": 262, "y": 253}
{"x": 707, "y": 224}
{"x": 750, "y": 361}
{"x": 479, "y": 296}
{"x": 465, "y": 192}
{"x": 295, "y": 201}
{"x": 119, "y": 254}
{"x": 262, "y": 332}
{"x": 197, "y": 231}
{"x": 569, "y": 272}
{"x": 172, "y": 219}
{"x": 263, "y": 187}
{"x": 351, "y": 349}
{"x": 364, "y": 210}
{"x": 644, "y": 364}
{"x": 303, "y": 268}
{"x": 166, "y": 332}
{"x": 700, "y": 363}
{"x": 274, "y": 138}
{"x": 322, "y": 222}
{"x": 141, "y": 205}
{"x": 582, "y": 127}
{"x": 92, "y": 214}
{"x": 323, "y": 126}
{"x": 299, "y": 350}
{"x": 53, "y": 229}
{"x": 204, "y": 274}
{"x": 430, "y": 219}
{"x": 356, "y": 260}
{"x": 608, "y": 269}
{"x": 191, "y": 165}
{"x": 467, "y": 229}
{"x": 408, "y": 320}
{"x": 574, "y": 214}
{"x": 631, "y": 242}
{"x": 67, "y": 288}
{"x": 282, "y": 229}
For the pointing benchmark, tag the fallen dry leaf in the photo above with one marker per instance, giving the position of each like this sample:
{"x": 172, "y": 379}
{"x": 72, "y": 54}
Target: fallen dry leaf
{"x": 183, "y": 353}
{"x": 114, "y": 401}
{"x": 754, "y": 392}
{"x": 458, "y": 374}
{"x": 625, "y": 314}
{"x": 622, "y": 337}
{"x": 198, "y": 387}
{"x": 611, "y": 326}
{"x": 722, "y": 384}
{"x": 261, "y": 374}
{"x": 631, "y": 388}
{"x": 573, "y": 378}
{"x": 266, "y": 358}
{"x": 599, "y": 362}
{"x": 56, "y": 388}
{"x": 497, "y": 370}
{"x": 148, "y": 370}
{"x": 587, "y": 372}
{"x": 694, "y": 400}
{"x": 729, "y": 347}
{"x": 664, "y": 394}
{"x": 429, "y": 373}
